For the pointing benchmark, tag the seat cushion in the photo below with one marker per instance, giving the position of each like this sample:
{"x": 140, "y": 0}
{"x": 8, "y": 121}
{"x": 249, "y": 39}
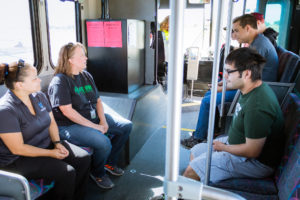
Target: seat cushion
{"x": 260, "y": 186}
{"x": 252, "y": 196}
{"x": 39, "y": 187}
{"x": 289, "y": 183}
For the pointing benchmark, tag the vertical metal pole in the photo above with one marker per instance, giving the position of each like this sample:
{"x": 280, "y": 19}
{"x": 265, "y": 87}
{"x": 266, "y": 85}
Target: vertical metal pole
{"x": 192, "y": 89}
{"x": 78, "y": 21}
{"x": 175, "y": 71}
{"x": 156, "y": 42}
{"x": 227, "y": 50}
{"x": 212, "y": 109}
{"x": 211, "y": 21}
{"x": 244, "y": 6}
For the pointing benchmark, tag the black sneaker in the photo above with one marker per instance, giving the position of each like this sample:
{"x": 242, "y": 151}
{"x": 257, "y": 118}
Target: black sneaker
{"x": 114, "y": 170}
{"x": 190, "y": 142}
{"x": 104, "y": 182}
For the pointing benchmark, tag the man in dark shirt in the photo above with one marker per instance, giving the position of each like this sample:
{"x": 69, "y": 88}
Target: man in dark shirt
{"x": 254, "y": 142}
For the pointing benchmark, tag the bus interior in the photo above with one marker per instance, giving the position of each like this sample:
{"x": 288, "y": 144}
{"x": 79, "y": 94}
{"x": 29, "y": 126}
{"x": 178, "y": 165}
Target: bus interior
{"x": 140, "y": 79}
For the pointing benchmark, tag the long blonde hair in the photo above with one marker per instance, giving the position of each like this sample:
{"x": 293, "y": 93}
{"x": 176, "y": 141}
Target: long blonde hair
{"x": 65, "y": 53}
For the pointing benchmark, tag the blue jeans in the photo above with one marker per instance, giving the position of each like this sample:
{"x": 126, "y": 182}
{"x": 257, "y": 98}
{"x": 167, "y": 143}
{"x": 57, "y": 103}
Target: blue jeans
{"x": 202, "y": 124}
{"x": 106, "y": 150}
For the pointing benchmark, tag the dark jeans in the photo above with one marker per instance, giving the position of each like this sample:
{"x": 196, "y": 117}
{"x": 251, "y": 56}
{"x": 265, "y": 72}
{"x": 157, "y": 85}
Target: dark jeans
{"x": 202, "y": 124}
{"x": 106, "y": 150}
{"x": 70, "y": 175}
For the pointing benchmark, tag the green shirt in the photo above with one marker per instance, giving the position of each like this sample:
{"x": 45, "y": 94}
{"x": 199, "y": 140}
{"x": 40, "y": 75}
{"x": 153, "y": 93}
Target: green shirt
{"x": 258, "y": 115}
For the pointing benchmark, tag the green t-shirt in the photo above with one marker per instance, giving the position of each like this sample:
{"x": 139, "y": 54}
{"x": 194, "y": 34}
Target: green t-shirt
{"x": 258, "y": 115}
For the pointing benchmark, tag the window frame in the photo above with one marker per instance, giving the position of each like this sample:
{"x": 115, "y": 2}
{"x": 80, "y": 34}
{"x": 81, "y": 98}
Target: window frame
{"x": 78, "y": 29}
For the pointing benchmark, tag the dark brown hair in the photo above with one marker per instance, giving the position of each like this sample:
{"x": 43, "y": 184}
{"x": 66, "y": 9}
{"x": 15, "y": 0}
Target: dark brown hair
{"x": 246, "y": 19}
{"x": 247, "y": 59}
{"x": 13, "y": 72}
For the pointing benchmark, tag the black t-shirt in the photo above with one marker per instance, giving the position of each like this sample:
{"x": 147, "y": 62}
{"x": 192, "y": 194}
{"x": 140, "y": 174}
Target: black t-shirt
{"x": 16, "y": 117}
{"x": 79, "y": 90}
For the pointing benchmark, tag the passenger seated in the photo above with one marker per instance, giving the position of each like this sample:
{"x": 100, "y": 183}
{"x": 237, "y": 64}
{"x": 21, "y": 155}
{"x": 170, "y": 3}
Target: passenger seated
{"x": 79, "y": 113}
{"x": 244, "y": 31}
{"x": 269, "y": 32}
{"x": 29, "y": 141}
{"x": 254, "y": 144}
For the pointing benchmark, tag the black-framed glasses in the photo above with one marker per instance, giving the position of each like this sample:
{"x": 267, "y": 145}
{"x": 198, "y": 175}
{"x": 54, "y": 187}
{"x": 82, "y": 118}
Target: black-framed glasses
{"x": 21, "y": 64}
{"x": 228, "y": 71}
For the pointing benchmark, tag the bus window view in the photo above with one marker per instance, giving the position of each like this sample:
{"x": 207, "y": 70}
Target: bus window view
{"x": 103, "y": 100}
{"x": 17, "y": 24}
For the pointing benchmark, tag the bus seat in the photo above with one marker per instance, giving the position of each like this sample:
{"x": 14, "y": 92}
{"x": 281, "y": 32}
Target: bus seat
{"x": 15, "y": 186}
{"x": 289, "y": 64}
{"x": 286, "y": 181}
{"x": 280, "y": 50}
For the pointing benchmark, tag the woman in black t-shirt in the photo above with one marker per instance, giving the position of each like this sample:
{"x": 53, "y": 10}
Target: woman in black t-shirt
{"x": 79, "y": 113}
{"x": 29, "y": 141}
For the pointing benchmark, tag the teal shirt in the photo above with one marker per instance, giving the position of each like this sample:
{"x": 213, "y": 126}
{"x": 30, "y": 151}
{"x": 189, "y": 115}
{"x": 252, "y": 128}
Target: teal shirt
{"x": 258, "y": 115}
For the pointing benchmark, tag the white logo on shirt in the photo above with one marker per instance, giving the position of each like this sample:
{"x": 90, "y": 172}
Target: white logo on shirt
{"x": 238, "y": 108}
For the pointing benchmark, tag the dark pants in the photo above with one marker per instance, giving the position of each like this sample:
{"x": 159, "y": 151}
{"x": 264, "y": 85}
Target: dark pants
{"x": 70, "y": 174}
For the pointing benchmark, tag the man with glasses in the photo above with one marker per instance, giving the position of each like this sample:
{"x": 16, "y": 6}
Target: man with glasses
{"x": 253, "y": 147}
{"x": 244, "y": 31}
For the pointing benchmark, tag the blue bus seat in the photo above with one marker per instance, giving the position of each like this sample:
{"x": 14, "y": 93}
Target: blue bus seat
{"x": 285, "y": 184}
{"x": 289, "y": 64}
{"x": 14, "y": 186}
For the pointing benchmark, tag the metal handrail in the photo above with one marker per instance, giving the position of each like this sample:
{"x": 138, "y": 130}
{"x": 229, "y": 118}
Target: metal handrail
{"x": 226, "y": 52}
{"x": 212, "y": 109}
{"x": 175, "y": 72}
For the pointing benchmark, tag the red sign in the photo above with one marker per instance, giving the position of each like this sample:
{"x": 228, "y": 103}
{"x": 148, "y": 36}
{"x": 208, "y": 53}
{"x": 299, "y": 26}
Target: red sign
{"x": 104, "y": 34}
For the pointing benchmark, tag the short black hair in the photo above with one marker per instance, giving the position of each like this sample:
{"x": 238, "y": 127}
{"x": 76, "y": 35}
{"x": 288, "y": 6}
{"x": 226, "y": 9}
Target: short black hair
{"x": 247, "y": 59}
{"x": 246, "y": 19}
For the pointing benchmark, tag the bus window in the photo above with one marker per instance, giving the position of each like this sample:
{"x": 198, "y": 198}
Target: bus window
{"x": 272, "y": 18}
{"x": 277, "y": 16}
{"x": 15, "y": 34}
{"x": 61, "y": 25}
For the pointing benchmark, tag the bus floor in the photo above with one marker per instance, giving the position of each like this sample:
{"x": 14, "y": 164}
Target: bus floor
{"x": 144, "y": 175}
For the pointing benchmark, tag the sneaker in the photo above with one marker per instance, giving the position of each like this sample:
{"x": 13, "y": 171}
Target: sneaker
{"x": 190, "y": 142}
{"x": 160, "y": 197}
{"x": 114, "y": 170}
{"x": 104, "y": 182}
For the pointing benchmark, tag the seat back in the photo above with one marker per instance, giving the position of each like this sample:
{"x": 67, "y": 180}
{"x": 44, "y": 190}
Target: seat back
{"x": 281, "y": 90}
{"x": 287, "y": 176}
{"x": 14, "y": 186}
{"x": 289, "y": 64}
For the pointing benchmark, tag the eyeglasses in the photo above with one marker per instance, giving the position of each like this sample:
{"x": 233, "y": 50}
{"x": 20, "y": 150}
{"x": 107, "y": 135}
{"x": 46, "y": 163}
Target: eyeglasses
{"x": 230, "y": 71}
{"x": 21, "y": 64}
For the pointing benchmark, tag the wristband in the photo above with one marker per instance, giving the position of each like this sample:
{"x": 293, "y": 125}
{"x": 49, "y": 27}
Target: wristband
{"x": 57, "y": 142}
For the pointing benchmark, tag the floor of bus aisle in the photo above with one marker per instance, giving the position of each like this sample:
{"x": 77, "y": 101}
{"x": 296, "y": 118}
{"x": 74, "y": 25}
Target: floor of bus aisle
{"x": 144, "y": 176}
